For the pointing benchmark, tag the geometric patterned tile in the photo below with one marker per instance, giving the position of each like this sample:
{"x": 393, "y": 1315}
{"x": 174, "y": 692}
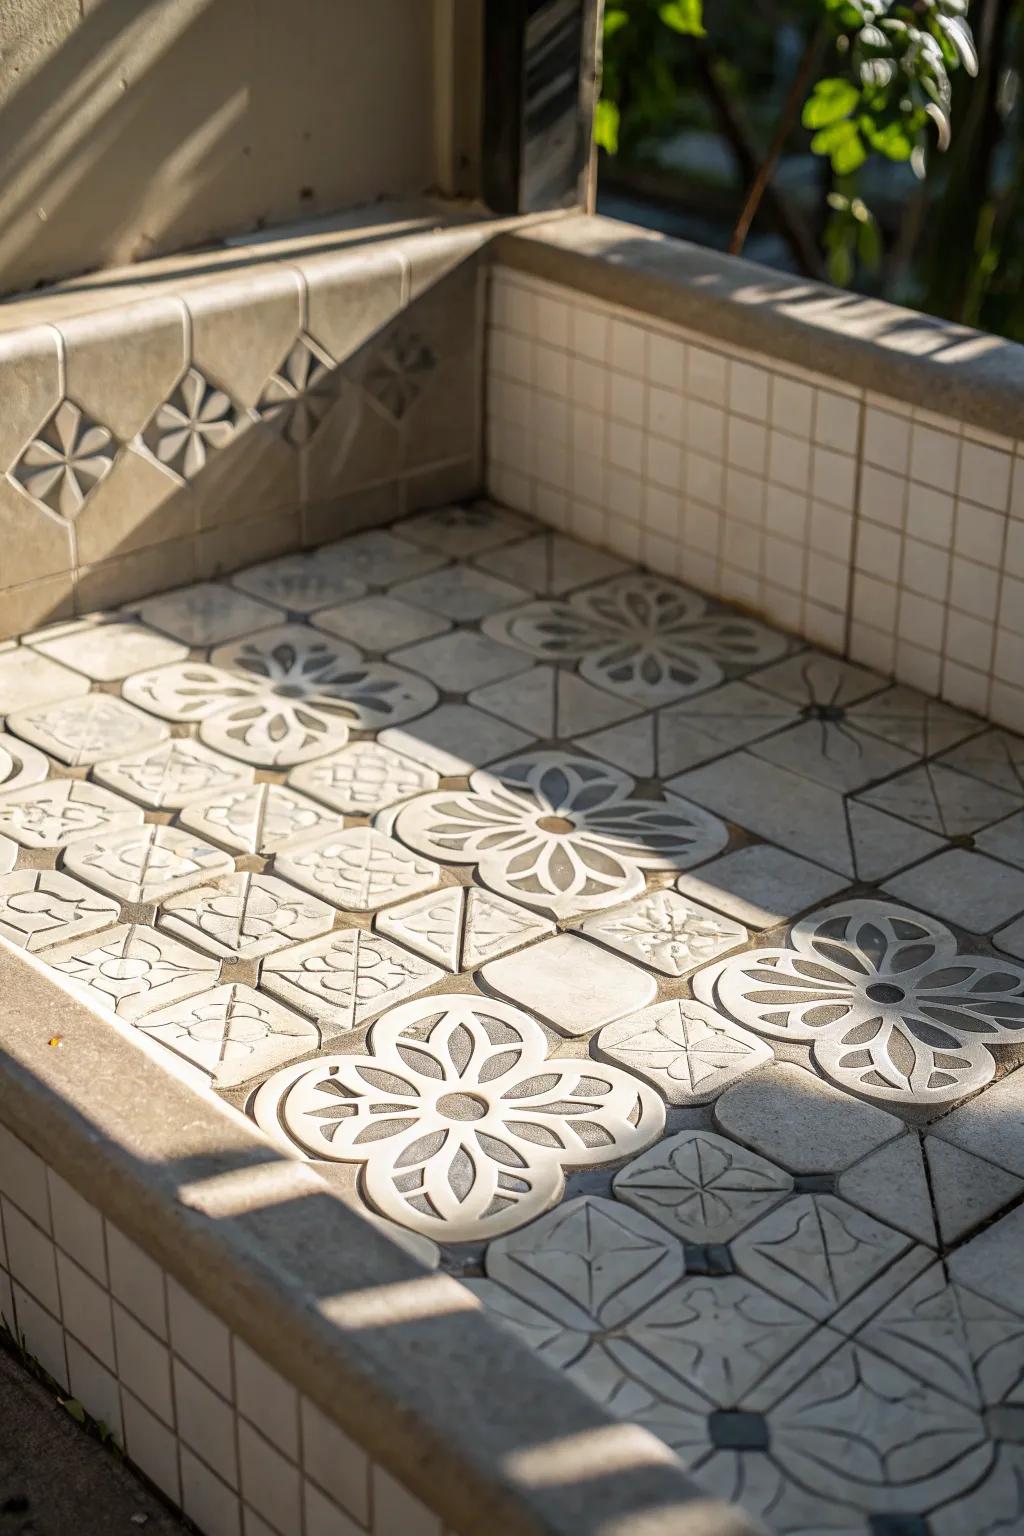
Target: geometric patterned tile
{"x": 686, "y": 1050}
{"x": 146, "y": 863}
{"x": 345, "y": 978}
{"x": 461, "y": 927}
{"x": 89, "y": 729}
{"x": 358, "y": 870}
{"x": 379, "y": 623}
{"x": 300, "y": 583}
{"x": 704, "y": 1188}
{"x": 995, "y": 757}
{"x": 39, "y": 907}
{"x": 245, "y": 916}
{"x": 232, "y": 1033}
{"x": 8, "y": 854}
{"x": 58, "y": 812}
{"x": 830, "y": 753}
{"x": 948, "y": 803}
{"x": 29, "y": 680}
{"x": 132, "y": 970}
{"x": 207, "y": 614}
{"x": 550, "y": 564}
{"x": 108, "y": 650}
{"x": 665, "y": 930}
{"x": 20, "y": 765}
{"x": 172, "y": 774}
{"x": 258, "y": 818}
{"x": 459, "y": 592}
{"x": 464, "y": 531}
{"x": 362, "y": 778}
{"x": 912, "y": 720}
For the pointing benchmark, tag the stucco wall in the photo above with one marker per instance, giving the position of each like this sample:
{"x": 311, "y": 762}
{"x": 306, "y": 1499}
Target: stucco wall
{"x": 130, "y": 128}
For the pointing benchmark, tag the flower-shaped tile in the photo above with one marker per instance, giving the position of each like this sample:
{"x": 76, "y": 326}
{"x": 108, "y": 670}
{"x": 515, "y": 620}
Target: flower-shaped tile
{"x": 208, "y": 613}
{"x": 108, "y": 649}
{"x": 28, "y": 679}
{"x": 380, "y": 623}
{"x": 245, "y": 916}
{"x": 39, "y": 907}
{"x": 686, "y": 1050}
{"x": 58, "y": 812}
{"x": 460, "y": 593}
{"x": 672, "y": 933}
{"x": 258, "y": 818}
{"x": 88, "y": 729}
{"x": 132, "y": 970}
{"x": 572, "y": 984}
{"x": 70, "y": 454}
{"x": 302, "y": 583}
{"x": 232, "y": 1033}
{"x": 146, "y": 863}
{"x": 889, "y": 1007}
{"x": 358, "y": 870}
{"x": 559, "y": 832}
{"x": 196, "y": 420}
{"x": 20, "y": 765}
{"x": 347, "y": 977}
{"x": 172, "y": 775}
{"x": 550, "y": 564}
{"x": 363, "y": 777}
{"x": 700, "y": 1186}
{"x": 464, "y": 531}
{"x": 460, "y": 927}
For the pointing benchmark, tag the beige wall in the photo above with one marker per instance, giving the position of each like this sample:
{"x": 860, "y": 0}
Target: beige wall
{"x": 130, "y": 128}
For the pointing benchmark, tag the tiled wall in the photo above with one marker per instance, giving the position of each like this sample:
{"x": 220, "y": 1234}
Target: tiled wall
{"x": 179, "y": 433}
{"x": 220, "y": 1433}
{"x": 882, "y": 532}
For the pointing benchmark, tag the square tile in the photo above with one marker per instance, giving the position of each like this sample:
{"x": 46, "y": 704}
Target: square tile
{"x": 206, "y": 1422}
{"x": 232, "y": 1033}
{"x": 85, "y": 1310}
{"x": 574, "y": 985}
{"x": 267, "y": 1399}
{"x": 107, "y": 650}
{"x": 137, "y": 1281}
{"x": 976, "y": 892}
{"x": 143, "y": 1364}
{"x": 335, "y": 1462}
{"x": 201, "y": 1339}
{"x": 761, "y": 885}
{"x": 77, "y": 1227}
{"x": 669, "y": 932}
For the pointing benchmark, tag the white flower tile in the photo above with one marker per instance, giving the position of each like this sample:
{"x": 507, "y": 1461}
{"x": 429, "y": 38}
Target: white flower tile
{"x": 760, "y": 885}
{"x": 461, "y": 661}
{"x": 132, "y": 970}
{"x": 346, "y": 978}
{"x": 574, "y": 985}
{"x": 87, "y": 730}
{"x": 258, "y": 818}
{"x": 461, "y": 927}
{"x": 464, "y": 531}
{"x": 245, "y": 916}
{"x": 20, "y": 764}
{"x": 145, "y": 863}
{"x": 379, "y": 558}
{"x": 912, "y": 720}
{"x": 108, "y": 650}
{"x": 171, "y": 775}
{"x": 702, "y": 1187}
{"x": 667, "y": 931}
{"x": 550, "y": 564}
{"x": 454, "y": 739}
{"x": 30, "y": 680}
{"x": 941, "y": 800}
{"x": 963, "y": 887}
{"x": 207, "y": 613}
{"x": 232, "y": 1033}
{"x": 686, "y": 1050}
{"x": 549, "y": 702}
{"x": 479, "y": 1096}
{"x": 301, "y": 583}
{"x": 39, "y": 907}
{"x": 59, "y": 811}
{"x": 460, "y": 593}
{"x": 363, "y": 777}
{"x": 358, "y": 870}
{"x": 380, "y": 623}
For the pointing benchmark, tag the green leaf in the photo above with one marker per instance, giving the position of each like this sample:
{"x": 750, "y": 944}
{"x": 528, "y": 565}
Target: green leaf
{"x": 614, "y": 21}
{"x": 606, "y": 127}
{"x": 73, "y": 1406}
{"x": 829, "y": 102}
{"x": 686, "y": 16}
{"x": 842, "y": 143}
{"x": 895, "y": 141}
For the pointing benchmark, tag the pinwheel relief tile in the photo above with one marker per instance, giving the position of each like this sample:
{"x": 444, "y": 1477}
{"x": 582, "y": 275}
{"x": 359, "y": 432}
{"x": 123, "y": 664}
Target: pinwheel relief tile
{"x": 300, "y": 392}
{"x": 196, "y": 420}
{"x": 132, "y": 970}
{"x": 20, "y": 764}
{"x": 208, "y": 614}
{"x": 688, "y": 1051}
{"x": 662, "y": 929}
{"x": 702, "y": 1187}
{"x": 363, "y": 777}
{"x": 60, "y": 811}
{"x": 39, "y": 907}
{"x": 108, "y": 650}
{"x": 639, "y": 636}
{"x": 303, "y": 582}
{"x": 171, "y": 775}
{"x": 245, "y": 916}
{"x": 346, "y": 978}
{"x": 464, "y": 531}
{"x": 145, "y": 863}
{"x": 258, "y": 818}
{"x": 358, "y": 870}
{"x": 559, "y": 832}
{"x": 550, "y": 564}
{"x": 487, "y": 1120}
{"x": 890, "y": 1008}
{"x": 461, "y": 927}
{"x": 398, "y": 370}
{"x": 88, "y": 729}
{"x": 232, "y": 1033}
{"x": 68, "y": 457}
{"x": 29, "y": 679}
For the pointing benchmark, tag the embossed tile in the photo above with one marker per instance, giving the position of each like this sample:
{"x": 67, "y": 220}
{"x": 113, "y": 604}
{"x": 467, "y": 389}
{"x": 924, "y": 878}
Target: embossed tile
{"x": 550, "y": 564}
{"x": 363, "y": 777}
{"x": 967, "y": 1190}
{"x": 69, "y": 456}
{"x": 195, "y": 422}
{"x": 454, "y": 739}
{"x": 462, "y": 927}
{"x": 995, "y": 757}
{"x": 109, "y": 649}
{"x": 672, "y": 1411}
{"x": 232, "y": 1033}
{"x": 464, "y": 531}
{"x": 132, "y": 970}
{"x": 702, "y": 1187}
{"x": 993, "y": 1507}
{"x": 245, "y": 916}
{"x": 346, "y": 978}
{"x": 257, "y": 818}
{"x": 574, "y": 985}
{"x": 146, "y": 863}
{"x": 359, "y": 870}
{"x": 171, "y": 775}
{"x": 301, "y": 583}
{"x": 207, "y": 613}
{"x": 698, "y": 729}
{"x": 461, "y": 661}
{"x": 20, "y": 764}
{"x": 87, "y": 730}
{"x": 39, "y": 907}
{"x": 56, "y": 813}
{"x": 28, "y": 679}
{"x": 380, "y": 623}
{"x": 459, "y": 593}
{"x": 687, "y": 1051}
{"x": 819, "y": 684}
{"x": 664, "y": 930}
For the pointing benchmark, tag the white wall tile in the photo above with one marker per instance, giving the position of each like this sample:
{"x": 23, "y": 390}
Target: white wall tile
{"x": 1008, "y": 661}
{"x": 985, "y": 475}
{"x": 41, "y": 1334}
{"x": 666, "y": 362}
{"x": 875, "y": 648}
{"x": 265, "y": 1398}
{"x": 747, "y": 445}
{"x": 143, "y": 1364}
{"x": 136, "y": 1281}
{"x": 588, "y": 382}
{"x": 705, "y": 429}
{"x": 199, "y": 1338}
{"x": 95, "y": 1388}
{"x": 705, "y": 479}
{"x": 664, "y": 463}
{"x": 920, "y": 668}
{"x": 925, "y": 569}
{"x": 551, "y": 369}
{"x": 964, "y": 687}
{"x": 77, "y": 1227}
{"x": 837, "y": 421}
{"x": 628, "y": 349}
{"x": 706, "y": 375}
{"x": 980, "y": 533}
{"x": 626, "y": 398}
{"x": 205, "y": 1499}
{"x": 875, "y": 602}
{"x": 589, "y": 334}
{"x": 335, "y": 1462}
{"x": 625, "y": 447}
{"x": 1006, "y": 705}
{"x": 969, "y": 641}
{"x": 882, "y": 496}
{"x": 974, "y": 588}
{"x": 878, "y": 551}
{"x": 151, "y": 1446}
{"x": 834, "y": 478}
{"x": 397, "y": 1513}
{"x": 85, "y": 1309}
{"x": 205, "y": 1422}
{"x": 921, "y": 621}
{"x": 551, "y": 320}
{"x": 30, "y": 1257}
{"x": 934, "y": 456}
{"x": 789, "y": 461}
{"x": 270, "y": 1482}
{"x": 323, "y": 1517}
{"x": 1017, "y": 486}
{"x": 930, "y": 515}
{"x": 1013, "y": 554}
{"x": 748, "y": 390}
{"x": 792, "y": 406}
{"x": 23, "y": 1178}
{"x": 886, "y": 439}
{"x": 1011, "y": 605}
{"x": 666, "y": 413}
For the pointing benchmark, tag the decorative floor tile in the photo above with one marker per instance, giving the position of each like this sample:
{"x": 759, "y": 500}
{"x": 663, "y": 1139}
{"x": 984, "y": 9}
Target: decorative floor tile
{"x": 889, "y": 1007}
{"x": 948, "y": 803}
{"x": 132, "y": 970}
{"x": 994, "y": 1508}
{"x": 245, "y": 916}
{"x": 674, "y": 1412}
{"x": 700, "y": 1186}
{"x": 967, "y": 1190}
{"x": 829, "y": 752}
{"x": 687, "y": 1051}
{"x": 8, "y": 855}
{"x": 550, "y": 702}
{"x": 454, "y": 739}
{"x": 698, "y": 729}
{"x": 966, "y": 888}
{"x": 359, "y": 870}
{"x": 346, "y": 978}
{"x": 995, "y": 757}
{"x": 991, "y": 1125}
{"x": 760, "y": 885}
{"x": 574, "y": 985}
{"x": 995, "y": 1338}
{"x": 30, "y": 680}
{"x": 301, "y": 583}
{"x": 912, "y": 720}
{"x": 1005, "y": 840}
{"x": 68, "y": 457}
{"x": 803, "y": 1123}
{"x": 39, "y": 907}
{"x": 363, "y": 778}
{"x": 748, "y": 1477}
{"x": 559, "y": 832}
{"x": 258, "y": 818}
{"x": 452, "y": 1095}
{"x": 992, "y": 1263}
{"x": 56, "y": 813}
{"x": 108, "y": 650}
{"x": 380, "y": 623}
{"x": 460, "y": 593}
{"x": 207, "y": 613}
{"x": 461, "y": 661}
{"x": 378, "y": 558}
{"x": 1010, "y": 940}
{"x": 171, "y": 775}
{"x": 232, "y": 1033}
{"x": 464, "y": 531}
{"x": 87, "y": 730}
{"x": 20, "y": 764}
{"x": 666, "y": 931}
{"x": 639, "y": 636}
{"x": 550, "y": 564}
{"x": 822, "y": 686}
{"x": 461, "y": 927}
{"x": 892, "y": 1185}
{"x": 146, "y": 863}
{"x": 545, "y": 1335}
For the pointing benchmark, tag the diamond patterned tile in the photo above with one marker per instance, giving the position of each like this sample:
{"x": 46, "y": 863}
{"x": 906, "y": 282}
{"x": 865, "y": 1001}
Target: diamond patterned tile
{"x": 359, "y": 870}
{"x": 145, "y": 863}
{"x": 666, "y": 931}
{"x": 107, "y": 651}
{"x": 171, "y": 775}
{"x": 39, "y": 907}
{"x": 460, "y": 927}
{"x": 702, "y": 1187}
{"x": 231, "y": 1033}
{"x": 244, "y": 916}
{"x": 88, "y": 729}
{"x": 689, "y": 1052}
{"x": 60, "y": 811}
{"x": 132, "y": 970}
{"x": 258, "y": 818}
{"x": 364, "y": 777}
{"x": 346, "y": 978}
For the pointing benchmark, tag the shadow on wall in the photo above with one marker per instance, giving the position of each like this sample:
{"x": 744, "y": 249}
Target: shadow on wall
{"x": 152, "y": 125}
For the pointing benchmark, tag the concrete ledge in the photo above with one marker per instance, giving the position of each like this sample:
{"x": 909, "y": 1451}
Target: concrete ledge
{"x": 404, "y": 1360}
{"x": 912, "y": 357}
